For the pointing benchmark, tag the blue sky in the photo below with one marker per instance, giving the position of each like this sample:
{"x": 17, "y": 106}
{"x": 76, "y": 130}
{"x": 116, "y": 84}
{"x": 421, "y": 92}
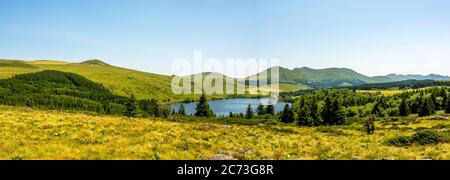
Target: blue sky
{"x": 374, "y": 37}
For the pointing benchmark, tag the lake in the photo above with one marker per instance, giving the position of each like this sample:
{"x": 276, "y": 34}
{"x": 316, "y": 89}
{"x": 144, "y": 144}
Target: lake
{"x": 225, "y": 106}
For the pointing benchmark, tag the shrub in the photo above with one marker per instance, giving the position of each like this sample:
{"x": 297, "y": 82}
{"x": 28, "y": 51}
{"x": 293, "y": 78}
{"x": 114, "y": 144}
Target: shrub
{"x": 427, "y": 136}
{"x": 393, "y": 112}
{"x": 441, "y": 126}
{"x": 350, "y": 112}
{"x": 369, "y": 124}
{"x": 420, "y": 129}
{"x": 423, "y": 136}
{"x": 399, "y": 141}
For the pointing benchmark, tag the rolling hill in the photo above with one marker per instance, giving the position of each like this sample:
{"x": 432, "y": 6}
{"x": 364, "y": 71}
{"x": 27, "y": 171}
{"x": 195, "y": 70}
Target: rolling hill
{"x": 320, "y": 78}
{"x": 120, "y": 81}
{"x": 337, "y": 77}
{"x": 397, "y": 77}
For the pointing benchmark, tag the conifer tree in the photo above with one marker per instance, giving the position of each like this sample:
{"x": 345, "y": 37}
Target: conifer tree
{"x": 182, "y": 110}
{"x": 426, "y": 107}
{"x": 270, "y": 110}
{"x": 332, "y": 113}
{"x": 338, "y": 112}
{"x": 447, "y": 104}
{"x": 132, "y": 107}
{"x": 260, "y": 110}
{"x": 327, "y": 111}
{"x": 304, "y": 114}
{"x": 286, "y": 115}
{"x": 249, "y": 113}
{"x": 315, "y": 112}
{"x": 203, "y": 109}
{"x": 404, "y": 108}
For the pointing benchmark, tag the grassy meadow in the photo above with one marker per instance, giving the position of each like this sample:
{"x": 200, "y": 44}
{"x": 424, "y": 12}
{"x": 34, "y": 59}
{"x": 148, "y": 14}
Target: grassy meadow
{"x": 382, "y": 92}
{"x": 34, "y": 134}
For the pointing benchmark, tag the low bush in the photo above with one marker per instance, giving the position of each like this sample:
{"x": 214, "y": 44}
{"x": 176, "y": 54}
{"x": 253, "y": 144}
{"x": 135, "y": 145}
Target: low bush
{"x": 423, "y": 136}
{"x": 427, "y": 136}
{"x": 399, "y": 141}
{"x": 420, "y": 129}
{"x": 441, "y": 126}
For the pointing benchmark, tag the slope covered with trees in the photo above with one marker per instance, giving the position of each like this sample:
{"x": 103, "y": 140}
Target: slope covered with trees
{"x": 68, "y": 91}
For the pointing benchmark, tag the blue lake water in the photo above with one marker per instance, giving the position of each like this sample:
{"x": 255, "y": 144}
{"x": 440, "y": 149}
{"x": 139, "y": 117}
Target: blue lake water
{"x": 225, "y": 106}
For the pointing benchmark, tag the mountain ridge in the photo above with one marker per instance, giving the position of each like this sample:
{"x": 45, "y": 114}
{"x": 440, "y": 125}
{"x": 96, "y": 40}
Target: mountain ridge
{"x": 335, "y": 77}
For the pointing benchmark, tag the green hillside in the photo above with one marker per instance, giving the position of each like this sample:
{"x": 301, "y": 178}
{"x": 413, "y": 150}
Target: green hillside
{"x": 120, "y": 81}
{"x": 338, "y": 77}
{"x": 320, "y": 78}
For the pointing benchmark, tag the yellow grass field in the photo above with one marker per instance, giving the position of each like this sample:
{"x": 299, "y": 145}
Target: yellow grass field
{"x": 394, "y": 91}
{"x": 34, "y": 134}
{"x": 383, "y": 92}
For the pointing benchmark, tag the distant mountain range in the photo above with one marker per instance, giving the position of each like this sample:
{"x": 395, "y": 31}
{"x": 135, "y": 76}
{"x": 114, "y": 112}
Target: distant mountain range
{"x": 335, "y": 77}
{"x": 399, "y": 77}
{"x": 125, "y": 82}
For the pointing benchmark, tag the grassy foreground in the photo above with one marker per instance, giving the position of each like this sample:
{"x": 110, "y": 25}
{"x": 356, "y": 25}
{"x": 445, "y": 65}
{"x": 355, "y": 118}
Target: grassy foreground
{"x": 33, "y": 134}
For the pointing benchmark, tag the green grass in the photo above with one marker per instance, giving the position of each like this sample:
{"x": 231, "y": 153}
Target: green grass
{"x": 281, "y": 88}
{"x": 33, "y": 134}
{"x": 121, "y": 81}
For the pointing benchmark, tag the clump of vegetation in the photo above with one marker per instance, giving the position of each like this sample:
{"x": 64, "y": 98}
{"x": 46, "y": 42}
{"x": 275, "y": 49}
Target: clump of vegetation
{"x": 369, "y": 124}
{"x": 260, "y": 110}
{"x": 426, "y": 106}
{"x": 441, "y": 126}
{"x": 423, "y": 136}
{"x": 182, "y": 110}
{"x": 287, "y": 115}
{"x": 427, "y": 136}
{"x": 446, "y": 100}
{"x": 404, "y": 108}
{"x": 270, "y": 110}
{"x": 399, "y": 141}
{"x": 132, "y": 109}
{"x": 249, "y": 113}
